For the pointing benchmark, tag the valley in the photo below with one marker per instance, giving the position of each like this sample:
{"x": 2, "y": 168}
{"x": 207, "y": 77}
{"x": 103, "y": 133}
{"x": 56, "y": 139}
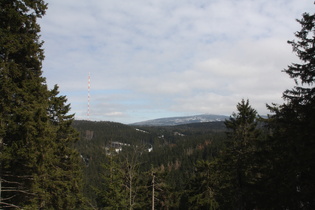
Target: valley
{"x": 170, "y": 151}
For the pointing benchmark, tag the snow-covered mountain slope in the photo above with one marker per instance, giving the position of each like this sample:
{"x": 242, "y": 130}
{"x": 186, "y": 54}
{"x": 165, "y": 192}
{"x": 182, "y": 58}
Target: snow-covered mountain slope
{"x": 182, "y": 120}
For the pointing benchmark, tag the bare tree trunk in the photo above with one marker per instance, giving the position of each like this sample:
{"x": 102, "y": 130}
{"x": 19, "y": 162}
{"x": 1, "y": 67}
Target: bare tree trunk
{"x": 130, "y": 190}
{"x": 153, "y": 176}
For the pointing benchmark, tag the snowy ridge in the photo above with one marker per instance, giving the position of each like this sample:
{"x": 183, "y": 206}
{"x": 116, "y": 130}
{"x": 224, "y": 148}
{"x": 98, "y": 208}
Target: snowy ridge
{"x": 183, "y": 120}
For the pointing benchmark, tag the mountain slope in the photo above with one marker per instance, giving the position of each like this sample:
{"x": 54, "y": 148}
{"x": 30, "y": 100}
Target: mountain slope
{"x": 182, "y": 120}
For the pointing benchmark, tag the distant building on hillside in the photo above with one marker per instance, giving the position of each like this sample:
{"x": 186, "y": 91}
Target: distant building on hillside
{"x": 150, "y": 149}
{"x": 115, "y": 146}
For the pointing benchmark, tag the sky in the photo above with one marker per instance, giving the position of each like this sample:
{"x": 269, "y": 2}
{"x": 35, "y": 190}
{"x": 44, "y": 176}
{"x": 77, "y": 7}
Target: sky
{"x": 151, "y": 59}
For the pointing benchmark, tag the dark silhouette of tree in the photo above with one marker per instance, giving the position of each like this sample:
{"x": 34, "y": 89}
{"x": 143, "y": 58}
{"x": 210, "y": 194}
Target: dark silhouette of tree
{"x": 235, "y": 169}
{"x": 292, "y": 127}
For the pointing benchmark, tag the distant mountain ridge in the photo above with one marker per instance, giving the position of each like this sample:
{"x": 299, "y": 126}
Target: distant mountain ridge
{"x": 169, "y": 121}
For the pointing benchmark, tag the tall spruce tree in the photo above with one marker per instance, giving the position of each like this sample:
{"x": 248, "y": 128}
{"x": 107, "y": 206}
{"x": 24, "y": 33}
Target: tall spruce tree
{"x": 66, "y": 176}
{"x": 292, "y": 127}
{"x": 114, "y": 194}
{"x": 36, "y": 157}
{"x": 235, "y": 168}
{"x": 201, "y": 194}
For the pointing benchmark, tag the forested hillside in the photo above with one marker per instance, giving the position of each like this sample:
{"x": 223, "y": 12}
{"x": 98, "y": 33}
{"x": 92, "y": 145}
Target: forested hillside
{"x": 257, "y": 163}
{"x": 50, "y": 161}
{"x": 175, "y": 150}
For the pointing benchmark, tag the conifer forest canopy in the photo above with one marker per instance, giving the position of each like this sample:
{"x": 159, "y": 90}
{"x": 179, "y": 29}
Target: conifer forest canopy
{"x": 49, "y": 160}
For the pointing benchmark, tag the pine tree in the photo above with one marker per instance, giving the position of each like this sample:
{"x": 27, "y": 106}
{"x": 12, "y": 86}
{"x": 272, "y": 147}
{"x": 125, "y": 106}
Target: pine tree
{"x": 36, "y": 155}
{"x": 201, "y": 194}
{"x": 159, "y": 190}
{"x": 292, "y": 127}
{"x": 235, "y": 168}
{"x": 65, "y": 188}
{"x": 23, "y": 99}
{"x": 112, "y": 193}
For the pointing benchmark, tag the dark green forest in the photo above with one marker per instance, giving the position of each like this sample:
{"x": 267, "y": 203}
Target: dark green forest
{"x": 175, "y": 150}
{"x": 51, "y": 161}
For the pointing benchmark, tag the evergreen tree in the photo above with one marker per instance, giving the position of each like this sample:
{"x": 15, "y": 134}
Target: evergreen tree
{"x": 23, "y": 98}
{"x": 159, "y": 190}
{"x": 235, "y": 168}
{"x": 201, "y": 194}
{"x": 292, "y": 127}
{"x": 65, "y": 188}
{"x": 112, "y": 194}
{"x": 36, "y": 157}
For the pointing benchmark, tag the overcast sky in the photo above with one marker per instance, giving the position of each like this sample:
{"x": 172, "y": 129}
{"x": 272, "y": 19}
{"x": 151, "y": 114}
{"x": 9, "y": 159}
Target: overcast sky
{"x": 161, "y": 58}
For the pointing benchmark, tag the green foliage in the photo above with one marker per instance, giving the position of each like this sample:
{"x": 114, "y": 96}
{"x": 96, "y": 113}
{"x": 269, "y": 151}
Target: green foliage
{"x": 200, "y": 193}
{"x": 67, "y": 176}
{"x": 236, "y": 170}
{"x": 292, "y": 127}
{"x": 172, "y": 159}
{"x": 113, "y": 194}
{"x": 242, "y": 125}
{"x": 195, "y": 166}
{"x": 39, "y": 167}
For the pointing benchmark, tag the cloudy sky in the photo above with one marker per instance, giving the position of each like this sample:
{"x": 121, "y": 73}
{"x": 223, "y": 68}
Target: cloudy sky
{"x": 161, "y": 58}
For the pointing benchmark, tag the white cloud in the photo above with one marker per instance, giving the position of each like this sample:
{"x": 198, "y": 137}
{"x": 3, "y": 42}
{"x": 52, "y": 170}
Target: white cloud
{"x": 171, "y": 56}
{"x": 114, "y": 114}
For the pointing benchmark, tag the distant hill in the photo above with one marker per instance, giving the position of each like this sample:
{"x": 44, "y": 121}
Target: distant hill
{"x": 170, "y": 121}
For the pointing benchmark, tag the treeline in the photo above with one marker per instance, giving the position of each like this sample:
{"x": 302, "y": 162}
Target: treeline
{"x": 50, "y": 161}
{"x": 175, "y": 151}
